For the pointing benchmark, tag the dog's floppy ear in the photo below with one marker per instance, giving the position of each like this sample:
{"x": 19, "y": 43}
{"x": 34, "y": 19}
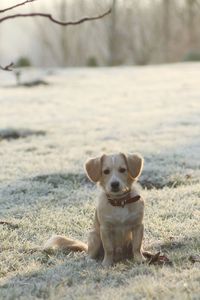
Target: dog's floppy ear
{"x": 93, "y": 168}
{"x": 135, "y": 164}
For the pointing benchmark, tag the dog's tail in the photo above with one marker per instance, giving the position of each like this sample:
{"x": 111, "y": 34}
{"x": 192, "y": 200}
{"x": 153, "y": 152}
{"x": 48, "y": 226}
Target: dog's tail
{"x": 64, "y": 243}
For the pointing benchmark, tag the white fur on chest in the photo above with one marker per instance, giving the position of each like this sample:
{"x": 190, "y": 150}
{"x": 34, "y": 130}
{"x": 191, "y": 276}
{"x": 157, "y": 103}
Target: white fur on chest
{"x": 127, "y": 216}
{"x": 121, "y": 216}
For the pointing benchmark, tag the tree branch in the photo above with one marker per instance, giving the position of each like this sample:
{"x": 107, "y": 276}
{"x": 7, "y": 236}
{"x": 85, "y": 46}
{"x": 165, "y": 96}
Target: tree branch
{"x": 48, "y": 16}
{"x": 7, "y": 68}
{"x": 17, "y": 5}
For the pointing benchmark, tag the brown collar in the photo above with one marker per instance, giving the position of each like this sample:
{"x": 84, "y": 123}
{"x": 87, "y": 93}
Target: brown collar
{"x": 128, "y": 198}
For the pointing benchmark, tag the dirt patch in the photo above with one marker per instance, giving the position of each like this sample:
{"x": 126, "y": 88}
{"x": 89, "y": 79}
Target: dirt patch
{"x": 34, "y": 83}
{"x": 13, "y": 134}
{"x": 57, "y": 179}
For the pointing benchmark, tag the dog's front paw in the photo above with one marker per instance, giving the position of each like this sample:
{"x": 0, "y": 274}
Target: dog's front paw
{"x": 139, "y": 258}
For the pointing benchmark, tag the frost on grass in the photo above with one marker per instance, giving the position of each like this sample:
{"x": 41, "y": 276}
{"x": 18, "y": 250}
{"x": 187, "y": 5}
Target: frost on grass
{"x": 44, "y": 191}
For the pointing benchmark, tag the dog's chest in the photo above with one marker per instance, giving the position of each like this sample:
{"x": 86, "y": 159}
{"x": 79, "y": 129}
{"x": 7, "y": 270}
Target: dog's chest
{"x": 121, "y": 216}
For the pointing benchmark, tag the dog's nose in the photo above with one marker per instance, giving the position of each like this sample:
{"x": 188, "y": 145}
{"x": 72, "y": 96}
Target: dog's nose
{"x": 115, "y": 185}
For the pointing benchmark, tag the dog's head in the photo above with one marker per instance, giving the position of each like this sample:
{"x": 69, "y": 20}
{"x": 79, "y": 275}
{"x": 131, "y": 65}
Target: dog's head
{"x": 115, "y": 172}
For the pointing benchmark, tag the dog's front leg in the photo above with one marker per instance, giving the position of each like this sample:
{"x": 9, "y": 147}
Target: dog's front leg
{"x": 94, "y": 244}
{"x": 138, "y": 232}
{"x": 107, "y": 245}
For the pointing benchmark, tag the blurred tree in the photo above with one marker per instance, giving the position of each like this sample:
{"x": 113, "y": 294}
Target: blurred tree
{"x": 113, "y": 38}
{"x": 48, "y": 37}
{"x": 62, "y": 22}
{"x": 63, "y": 33}
{"x": 191, "y": 8}
{"x": 166, "y": 28}
{"x": 138, "y": 32}
{"x": 143, "y": 31}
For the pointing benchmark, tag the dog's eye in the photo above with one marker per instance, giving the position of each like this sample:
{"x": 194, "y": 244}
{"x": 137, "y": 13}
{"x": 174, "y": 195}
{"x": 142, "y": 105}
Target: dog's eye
{"x": 106, "y": 172}
{"x": 122, "y": 170}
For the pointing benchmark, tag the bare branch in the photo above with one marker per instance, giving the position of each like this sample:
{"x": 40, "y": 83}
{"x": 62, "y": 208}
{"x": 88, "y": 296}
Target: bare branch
{"x": 7, "y": 68}
{"x": 48, "y": 16}
{"x": 17, "y": 5}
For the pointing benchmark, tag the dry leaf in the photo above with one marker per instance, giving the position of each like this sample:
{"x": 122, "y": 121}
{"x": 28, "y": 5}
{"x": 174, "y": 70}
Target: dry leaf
{"x": 194, "y": 258}
{"x": 157, "y": 259}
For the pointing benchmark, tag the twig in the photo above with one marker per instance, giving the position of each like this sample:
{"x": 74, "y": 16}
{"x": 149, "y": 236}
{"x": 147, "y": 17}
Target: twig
{"x": 48, "y": 16}
{"x": 9, "y": 224}
{"x": 7, "y": 68}
{"x": 17, "y": 5}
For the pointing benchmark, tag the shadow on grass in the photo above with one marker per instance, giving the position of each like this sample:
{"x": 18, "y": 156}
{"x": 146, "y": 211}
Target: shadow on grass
{"x": 13, "y": 133}
{"x": 44, "y": 185}
{"x": 147, "y": 180}
{"x": 75, "y": 272}
{"x": 57, "y": 179}
{"x": 48, "y": 190}
{"x": 44, "y": 188}
{"x": 71, "y": 271}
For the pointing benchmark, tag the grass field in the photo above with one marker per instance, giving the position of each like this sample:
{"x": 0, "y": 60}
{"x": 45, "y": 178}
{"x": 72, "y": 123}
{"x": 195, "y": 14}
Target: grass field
{"x": 46, "y": 134}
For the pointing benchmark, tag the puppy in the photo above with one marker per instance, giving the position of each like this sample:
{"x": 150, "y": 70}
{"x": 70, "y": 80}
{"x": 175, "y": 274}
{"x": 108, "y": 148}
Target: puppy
{"x": 117, "y": 231}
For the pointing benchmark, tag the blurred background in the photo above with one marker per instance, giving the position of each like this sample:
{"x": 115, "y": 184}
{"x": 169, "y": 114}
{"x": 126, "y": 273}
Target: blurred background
{"x": 137, "y": 33}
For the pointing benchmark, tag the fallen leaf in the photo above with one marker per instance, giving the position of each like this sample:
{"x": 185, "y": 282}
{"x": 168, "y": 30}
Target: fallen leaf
{"x": 157, "y": 259}
{"x": 194, "y": 258}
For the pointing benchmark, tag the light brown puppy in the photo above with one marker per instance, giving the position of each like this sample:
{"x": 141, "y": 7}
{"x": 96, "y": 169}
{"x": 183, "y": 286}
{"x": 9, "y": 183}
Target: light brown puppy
{"x": 118, "y": 226}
